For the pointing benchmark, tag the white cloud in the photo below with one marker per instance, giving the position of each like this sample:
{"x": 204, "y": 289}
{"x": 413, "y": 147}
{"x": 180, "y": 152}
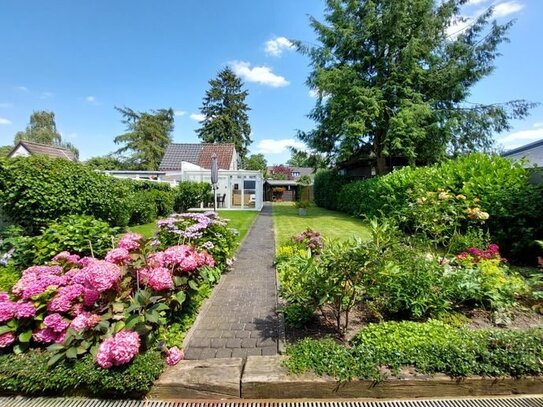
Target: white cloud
{"x": 46, "y": 95}
{"x": 474, "y": 2}
{"x": 270, "y": 146}
{"x": 258, "y": 74}
{"x": 538, "y": 124}
{"x": 198, "y": 117}
{"x": 458, "y": 26}
{"x": 506, "y": 8}
{"x": 5, "y": 104}
{"x": 23, "y": 88}
{"x": 276, "y": 46}
{"x": 4, "y": 121}
{"x": 519, "y": 138}
{"x": 91, "y": 99}
{"x": 313, "y": 93}
{"x": 179, "y": 113}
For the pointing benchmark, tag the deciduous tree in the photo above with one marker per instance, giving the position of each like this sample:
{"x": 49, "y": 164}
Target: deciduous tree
{"x": 394, "y": 78}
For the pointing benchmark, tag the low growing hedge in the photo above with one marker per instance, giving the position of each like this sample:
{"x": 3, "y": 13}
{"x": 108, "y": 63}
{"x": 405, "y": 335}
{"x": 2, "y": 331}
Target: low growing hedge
{"x": 431, "y": 347}
{"x": 29, "y": 374}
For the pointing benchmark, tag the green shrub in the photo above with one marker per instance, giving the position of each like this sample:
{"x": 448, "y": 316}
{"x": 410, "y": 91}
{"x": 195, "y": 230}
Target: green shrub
{"x": 9, "y": 275}
{"x": 79, "y": 234}
{"x": 29, "y": 374}
{"x": 326, "y": 186}
{"x": 144, "y": 208}
{"x": 189, "y": 195}
{"x": 515, "y": 206}
{"x": 430, "y": 347}
{"x": 164, "y": 201}
{"x": 297, "y": 315}
{"x": 36, "y": 190}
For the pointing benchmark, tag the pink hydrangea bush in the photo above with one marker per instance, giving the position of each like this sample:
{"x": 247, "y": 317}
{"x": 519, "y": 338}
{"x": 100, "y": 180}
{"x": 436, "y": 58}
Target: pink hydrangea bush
{"x": 83, "y": 300}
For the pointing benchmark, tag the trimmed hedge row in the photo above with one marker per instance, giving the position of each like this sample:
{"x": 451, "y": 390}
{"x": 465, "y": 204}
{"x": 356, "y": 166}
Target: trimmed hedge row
{"x": 514, "y": 204}
{"x": 37, "y": 190}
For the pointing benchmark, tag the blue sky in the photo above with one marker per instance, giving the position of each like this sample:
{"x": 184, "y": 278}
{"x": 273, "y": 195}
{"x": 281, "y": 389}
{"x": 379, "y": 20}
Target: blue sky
{"x": 82, "y": 58}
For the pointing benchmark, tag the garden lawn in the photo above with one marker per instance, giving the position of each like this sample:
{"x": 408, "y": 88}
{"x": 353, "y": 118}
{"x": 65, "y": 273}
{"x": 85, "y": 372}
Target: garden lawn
{"x": 240, "y": 220}
{"x": 330, "y": 224}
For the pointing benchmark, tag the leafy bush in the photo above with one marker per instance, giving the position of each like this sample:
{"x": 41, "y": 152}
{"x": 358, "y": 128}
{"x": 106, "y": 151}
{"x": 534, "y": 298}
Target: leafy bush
{"x": 189, "y": 195}
{"x": 297, "y": 315}
{"x": 513, "y": 204}
{"x": 144, "y": 208}
{"x": 431, "y": 347}
{"x": 78, "y": 306}
{"x": 326, "y": 186}
{"x": 8, "y": 276}
{"x": 36, "y": 190}
{"x": 30, "y": 374}
{"x": 164, "y": 202}
{"x": 79, "y": 234}
{"x": 206, "y": 231}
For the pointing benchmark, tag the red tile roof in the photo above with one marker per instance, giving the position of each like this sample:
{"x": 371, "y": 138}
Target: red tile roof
{"x": 225, "y": 155}
{"x": 45, "y": 149}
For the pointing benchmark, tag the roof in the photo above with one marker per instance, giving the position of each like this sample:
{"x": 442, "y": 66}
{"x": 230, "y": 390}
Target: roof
{"x": 302, "y": 170}
{"x": 523, "y": 148}
{"x": 45, "y": 149}
{"x": 280, "y": 182}
{"x": 198, "y": 154}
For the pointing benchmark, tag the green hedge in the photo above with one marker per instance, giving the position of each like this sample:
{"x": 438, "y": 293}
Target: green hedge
{"x": 514, "y": 204}
{"x": 431, "y": 347}
{"x": 36, "y": 190}
{"x": 189, "y": 195}
{"x": 29, "y": 374}
{"x": 326, "y": 186}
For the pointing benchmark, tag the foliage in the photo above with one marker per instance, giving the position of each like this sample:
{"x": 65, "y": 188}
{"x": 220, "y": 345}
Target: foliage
{"x": 297, "y": 315}
{"x": 300, "y": 158}
{"x": 310, "y": 240}
{"x": 431, "y": 347}
{"x": 302, "y": 204}
{"x": 78, "y": 306}
{"x": 8, "y": 276}
{"x": 43, "y": 129}
{"x": 205, "y": 231}
{"x": 36, "y": 190}
{"x": 513, "y": 204}
{"x": 30, "y": 374}
{"x": 327, "y": 185}
{"x": 392, "y": 82}
{"x": 79, "y": 234}
{"x": 107, "y": 162}
{"x": 144, "y": 208}
{"x": 225, "y": 113}
{"x": 256, "y": 162}
{"x": 189, "y": 194}
{"x": 5, "y": 150}
{"x": 147, "y": 136}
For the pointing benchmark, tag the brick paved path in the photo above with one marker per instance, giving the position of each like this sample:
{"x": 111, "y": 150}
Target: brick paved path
{"x": 240, "y": 318}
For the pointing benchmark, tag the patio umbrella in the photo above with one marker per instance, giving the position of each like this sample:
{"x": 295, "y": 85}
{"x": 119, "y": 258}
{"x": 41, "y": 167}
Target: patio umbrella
{"x": 214, "y": 178}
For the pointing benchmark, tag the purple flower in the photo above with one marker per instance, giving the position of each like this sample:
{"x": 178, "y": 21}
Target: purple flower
{"x": 6, "y": 339}
{"x": 7, "y": 310}
{"x": 25, "y": 310}
{"x": 55, "y": 322}
{"x": 174, "y": 355}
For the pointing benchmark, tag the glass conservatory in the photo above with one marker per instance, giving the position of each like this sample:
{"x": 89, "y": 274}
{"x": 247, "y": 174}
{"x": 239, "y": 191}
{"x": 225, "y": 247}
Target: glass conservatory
{"x": 235, "y": 189}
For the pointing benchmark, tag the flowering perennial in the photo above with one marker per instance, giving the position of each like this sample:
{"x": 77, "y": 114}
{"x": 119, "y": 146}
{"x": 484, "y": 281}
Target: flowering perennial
{"x": 118, "y": 350}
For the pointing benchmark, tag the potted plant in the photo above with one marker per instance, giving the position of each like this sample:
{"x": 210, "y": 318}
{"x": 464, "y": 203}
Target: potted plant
{"x": 302, "y": 206}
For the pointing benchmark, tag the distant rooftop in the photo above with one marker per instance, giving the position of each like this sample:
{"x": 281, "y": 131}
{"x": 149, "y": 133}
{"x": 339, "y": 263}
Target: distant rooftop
{"x": 44, "y": 149}
{"x": 198, "y": 154}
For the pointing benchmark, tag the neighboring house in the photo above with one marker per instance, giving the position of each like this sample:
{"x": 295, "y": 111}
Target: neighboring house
{"x": 280, "y": 190}
{"x": 199, "y": 155}
{"x": 295, "y": 172}
{"x": 532, "y": 154}
{"x": 28, "y": 148}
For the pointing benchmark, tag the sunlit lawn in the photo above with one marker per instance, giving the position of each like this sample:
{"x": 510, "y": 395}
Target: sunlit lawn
{"x": 240, "y": 220}
{"x": 330, "y": 224}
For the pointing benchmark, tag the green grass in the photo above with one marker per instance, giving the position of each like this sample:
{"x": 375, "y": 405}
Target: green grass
{"x": 330, "y": 224}
{"x": 240, "y": 220}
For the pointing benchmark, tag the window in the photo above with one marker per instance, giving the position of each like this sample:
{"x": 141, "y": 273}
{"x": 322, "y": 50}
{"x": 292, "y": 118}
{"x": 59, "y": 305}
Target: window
{"x": 249, "y": 184}
{"x": 295, "y": 173}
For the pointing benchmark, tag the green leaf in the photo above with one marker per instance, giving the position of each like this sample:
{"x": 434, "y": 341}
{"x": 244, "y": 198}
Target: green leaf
{"x": 55, "y": 358}
{"x": 71, "y": 353}
{"x": 25, "y": 336}
{"x": 20, "y": 348}
{"x": 55, "y": 347}
{"x": 193, "y": 284}
{"x": 5, "y": 329}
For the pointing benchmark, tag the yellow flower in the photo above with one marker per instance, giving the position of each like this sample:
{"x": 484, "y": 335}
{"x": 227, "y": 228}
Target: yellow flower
{"x": 483, "y": 215}
{"x": 443, "y": 195}
{"x": 461, "y": 197}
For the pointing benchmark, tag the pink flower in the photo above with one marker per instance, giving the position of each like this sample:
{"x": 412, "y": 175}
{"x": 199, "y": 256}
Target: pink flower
{"x": 101, "y": 275}
{"x": 45, "y": 335}
{"x": 36, "y": 280}
{"x": 130, "y": 241}
{"x": 85, "y": 321}
{"x": 66, "y": 257}
{"x": 118, "y": 350}
{"x": 90, "y": 297}
{"x": 24, "y": 310}
{"x": 118, "y": 256}
{"x": 174, "y": 356}
{"x": 6, "y": 339}
{"x": 7, "y": 310}
{"x": 55, "y": 322}
{"x": 4, "y": 296}
{"x": 157, "y": 259}
{"x": 159, "y": 279}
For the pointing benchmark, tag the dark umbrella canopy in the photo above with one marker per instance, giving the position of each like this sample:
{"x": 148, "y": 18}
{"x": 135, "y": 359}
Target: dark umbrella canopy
{"x": 214, "y": 169}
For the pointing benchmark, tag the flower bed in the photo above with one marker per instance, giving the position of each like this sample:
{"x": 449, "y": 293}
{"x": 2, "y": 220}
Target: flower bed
{"x": 115, "y": 310}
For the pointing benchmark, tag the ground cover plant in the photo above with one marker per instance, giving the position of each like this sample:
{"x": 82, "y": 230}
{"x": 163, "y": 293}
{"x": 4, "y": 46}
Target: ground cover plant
{"x": 92, "y": 314}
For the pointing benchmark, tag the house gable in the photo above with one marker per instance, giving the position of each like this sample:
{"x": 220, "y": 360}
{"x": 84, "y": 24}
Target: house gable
{"x": 27, "y": 148}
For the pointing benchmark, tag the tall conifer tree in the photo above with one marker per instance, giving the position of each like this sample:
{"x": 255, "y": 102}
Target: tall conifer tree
{"x": 225, "y": 113}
